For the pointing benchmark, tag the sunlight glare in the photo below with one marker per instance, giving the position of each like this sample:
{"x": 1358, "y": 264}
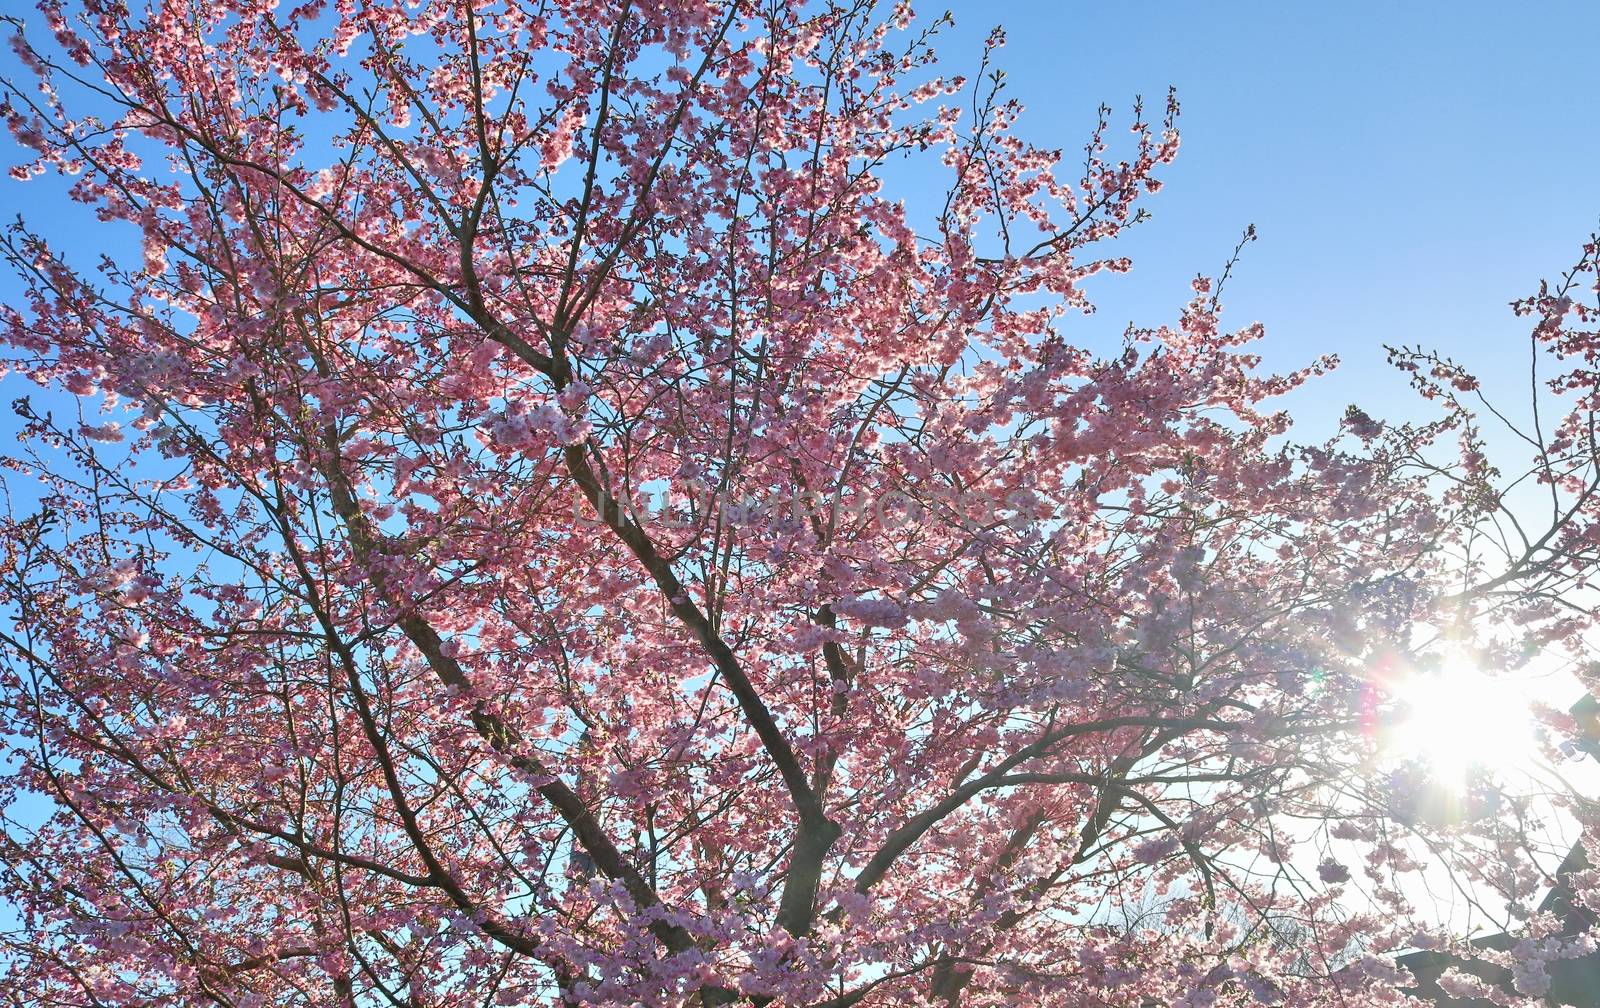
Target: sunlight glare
{"x": 1460, "y": 721}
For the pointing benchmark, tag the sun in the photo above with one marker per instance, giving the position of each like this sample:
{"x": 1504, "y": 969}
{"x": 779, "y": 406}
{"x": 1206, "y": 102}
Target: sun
{"x": 1460, "y": 722}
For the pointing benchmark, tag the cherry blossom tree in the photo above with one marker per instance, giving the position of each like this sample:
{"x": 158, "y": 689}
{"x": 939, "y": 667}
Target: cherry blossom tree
{"x": 545, "y": 523}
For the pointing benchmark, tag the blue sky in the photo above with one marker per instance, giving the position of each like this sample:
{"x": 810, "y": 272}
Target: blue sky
{"x": 1410, "y": 167}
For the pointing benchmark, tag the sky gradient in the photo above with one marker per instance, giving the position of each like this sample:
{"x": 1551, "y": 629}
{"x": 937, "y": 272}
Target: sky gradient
{"x": 1410, "y": 168}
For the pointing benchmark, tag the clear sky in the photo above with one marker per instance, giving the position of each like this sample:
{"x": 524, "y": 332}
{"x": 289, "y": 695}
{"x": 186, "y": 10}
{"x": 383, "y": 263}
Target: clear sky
{"x": 1411, "y": 167}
